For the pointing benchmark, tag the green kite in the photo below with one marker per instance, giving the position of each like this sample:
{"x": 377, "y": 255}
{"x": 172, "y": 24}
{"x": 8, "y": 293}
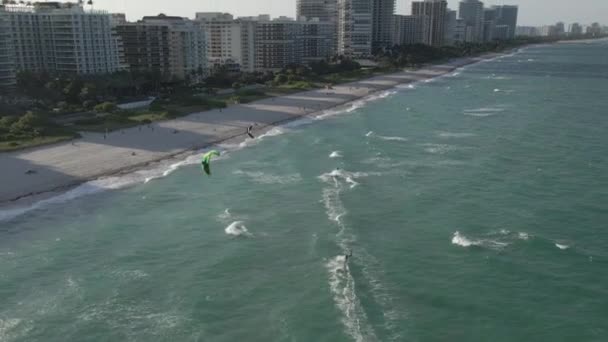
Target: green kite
{"x": 206, "y": 162}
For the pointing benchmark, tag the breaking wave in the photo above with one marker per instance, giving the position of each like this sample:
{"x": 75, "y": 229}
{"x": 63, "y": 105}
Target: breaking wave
{"x": 335, "y": 154}
{"x": 237, "y": 228}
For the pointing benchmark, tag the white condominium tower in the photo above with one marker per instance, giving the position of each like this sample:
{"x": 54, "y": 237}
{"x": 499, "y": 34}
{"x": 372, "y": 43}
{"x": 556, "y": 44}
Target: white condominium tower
{"x": 62, "y": 37}
{"x": 355, "y": 27}
{"x": 230, "y": 42}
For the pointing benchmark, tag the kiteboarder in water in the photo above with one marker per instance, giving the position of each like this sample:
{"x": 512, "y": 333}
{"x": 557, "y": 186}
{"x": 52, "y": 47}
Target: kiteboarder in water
{"x": 249, "y": 129}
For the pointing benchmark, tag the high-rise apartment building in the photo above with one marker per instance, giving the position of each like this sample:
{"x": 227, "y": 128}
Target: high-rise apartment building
{"x": 382, "y": 25}
{"x": 471, "y": 11}
{"x": 172, "y": 46}
{"x": 451, "y": 18}
{"x": 324, "y": 10}
{"x": 576, "y": 29}
{"x": 489, "y": 24}
{"x": 355, "y": 27}
{"x": 62, "y": 37}
{"x": 409, "y": 29}
{"x": 436, "y": 11}
{"x": 224, "y": 41}
{"x": 7, "y": 58}
{"x": 528, "y": 31}
{"x": 284, "y": 41}
{"x": 594, "y": 30}
{"x": 507, "y": 15}
{"x": 276, "y": 44}
{"x": 316, "y": 40}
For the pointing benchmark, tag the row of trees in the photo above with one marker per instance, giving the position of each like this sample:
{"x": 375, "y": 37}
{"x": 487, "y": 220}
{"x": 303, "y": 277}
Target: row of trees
{"x": 413, "y": 55}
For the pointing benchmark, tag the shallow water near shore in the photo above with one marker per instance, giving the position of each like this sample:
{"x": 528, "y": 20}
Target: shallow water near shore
{"x": 474, "y": 206}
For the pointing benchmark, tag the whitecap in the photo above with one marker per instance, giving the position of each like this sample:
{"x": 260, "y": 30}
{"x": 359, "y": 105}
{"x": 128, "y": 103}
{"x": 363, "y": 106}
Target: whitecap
{"x": 523, "y": 236}
{"x": 335, "y": 154}
{"x": 237, "y": 228}
{"x": 562, "y": 246}
{"x": 369, "y": 134}
{"x": 496, "y": 90}
{"x": 391, "y": 138}
{"x": 461, "y": 240}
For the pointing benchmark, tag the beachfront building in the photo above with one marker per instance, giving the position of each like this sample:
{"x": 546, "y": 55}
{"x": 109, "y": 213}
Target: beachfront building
{"x": 316, "y": 40}
{"x": 276, "y": 44}
{"x": 471, "y": 11}
{"x": 408, "y": 29}
{"x": 324, "y": 10}
{"x": 576, "y": 29}
{"x": 450, "y": 27}
{"x": 436, "y": 11}
{"x": 7, "y": 58}
{"x": 229, "y": 41}
{"x": 284, "y": 41}
{"x": 355, "y": 28}
{"x": 382, "y": 23}
{"x": 528, "y": 31}
{"x": 174, "y": 47}
{"x": 506, "y": 16}
{"x": 461, "y": 30}
{"x": 62, "y": 37}
{"x": 489, "y": 24}
{"x": 594, "y": 30}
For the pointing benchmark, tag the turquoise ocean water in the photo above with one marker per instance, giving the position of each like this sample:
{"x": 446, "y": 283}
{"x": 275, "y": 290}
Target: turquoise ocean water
{"x": 475, "y": 207}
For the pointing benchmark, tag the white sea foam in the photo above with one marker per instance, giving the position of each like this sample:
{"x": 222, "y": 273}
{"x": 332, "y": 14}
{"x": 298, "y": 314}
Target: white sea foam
{"x": 6, "y": 327}
{"x": 496, "y": 90}
{"x": 463, "y": 241}
{"x": 237, "y": 228}
{"x": 265, "y": 178}
{"x": 523, "y": 236}
{"x": 381, "y": 137}
{"x": 483, "y": 112}
{"x": 438, "y": 148}
{"x": 342, "y": 287}
{"x": 333, "y": 205}
{"x": 448, "y": 135}
{"x": 335, "y": 154}
{"x": 369, "y": 134}
{"x": 562, "y": 246}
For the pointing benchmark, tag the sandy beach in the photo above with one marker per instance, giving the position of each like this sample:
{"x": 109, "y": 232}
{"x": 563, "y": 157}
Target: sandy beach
{"x": 62, "y": 166}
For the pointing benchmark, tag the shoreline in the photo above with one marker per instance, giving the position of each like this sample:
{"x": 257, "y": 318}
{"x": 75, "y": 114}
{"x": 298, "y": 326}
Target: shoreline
{"x": 132, "y": 151}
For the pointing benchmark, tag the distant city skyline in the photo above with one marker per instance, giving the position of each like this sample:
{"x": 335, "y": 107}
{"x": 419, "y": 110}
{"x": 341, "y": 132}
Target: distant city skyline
{"x": 531, "y": 12}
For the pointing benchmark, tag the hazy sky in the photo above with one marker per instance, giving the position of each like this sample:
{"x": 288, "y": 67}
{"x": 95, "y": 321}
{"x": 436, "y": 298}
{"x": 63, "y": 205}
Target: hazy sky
{"x": 531, "y": 12}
